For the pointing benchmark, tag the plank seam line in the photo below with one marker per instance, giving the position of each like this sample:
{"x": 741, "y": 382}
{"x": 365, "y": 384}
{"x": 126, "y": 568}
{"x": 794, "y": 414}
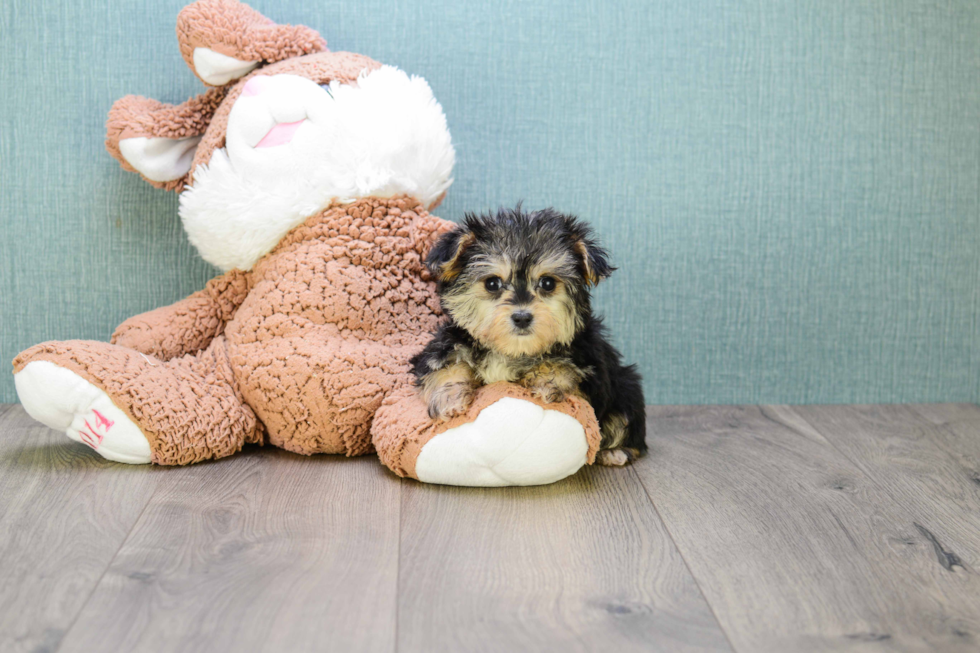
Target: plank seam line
{"x": 945, "y": 427}
{"x": 398, "y": 570}
{"x": 856, "y": 463}
{"x": 840, "y": 452}
{"x": 129, "y": 533}
{"x": 910, "y": 512}
{"x": 673, "y": 540}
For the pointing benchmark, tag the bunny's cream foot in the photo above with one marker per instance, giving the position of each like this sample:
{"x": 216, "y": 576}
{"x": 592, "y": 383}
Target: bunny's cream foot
{"x": 64, "y": 401}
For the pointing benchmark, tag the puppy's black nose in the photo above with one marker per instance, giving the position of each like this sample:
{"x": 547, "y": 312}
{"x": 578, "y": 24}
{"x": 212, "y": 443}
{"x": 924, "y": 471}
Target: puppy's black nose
{"x": 521, "y": 319}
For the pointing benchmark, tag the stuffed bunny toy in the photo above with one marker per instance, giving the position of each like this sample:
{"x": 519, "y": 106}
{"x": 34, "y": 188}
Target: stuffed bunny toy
{"x": 307, "y": 176}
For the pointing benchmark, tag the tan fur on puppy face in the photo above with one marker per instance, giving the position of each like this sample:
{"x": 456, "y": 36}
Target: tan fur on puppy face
{"x": 487, "y": 315}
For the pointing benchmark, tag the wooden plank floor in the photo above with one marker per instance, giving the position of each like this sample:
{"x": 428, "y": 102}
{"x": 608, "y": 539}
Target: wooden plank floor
{"x": 833, "y": 528}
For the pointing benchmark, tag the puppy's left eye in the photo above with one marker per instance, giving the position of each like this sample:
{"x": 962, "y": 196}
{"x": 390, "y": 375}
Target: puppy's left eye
{"x": 547, "y": 284}
{"x": 493, "y": 284}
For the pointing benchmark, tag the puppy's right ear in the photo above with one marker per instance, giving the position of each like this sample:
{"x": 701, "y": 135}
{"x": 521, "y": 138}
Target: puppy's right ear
{"x": 594, "y": 259}
{"x": 445, "y": 259}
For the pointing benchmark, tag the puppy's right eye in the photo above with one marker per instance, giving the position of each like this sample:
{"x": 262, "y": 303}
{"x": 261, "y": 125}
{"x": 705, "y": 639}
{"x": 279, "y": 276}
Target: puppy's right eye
{"x": 493, "y": 284}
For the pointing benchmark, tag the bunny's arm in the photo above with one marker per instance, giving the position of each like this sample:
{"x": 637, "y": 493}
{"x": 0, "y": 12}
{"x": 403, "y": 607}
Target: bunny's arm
{"x": 190, "y": 324}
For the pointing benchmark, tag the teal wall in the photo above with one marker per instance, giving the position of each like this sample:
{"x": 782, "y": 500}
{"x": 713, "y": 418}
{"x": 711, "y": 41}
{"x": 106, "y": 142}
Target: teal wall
{"x": 790, "y": 188}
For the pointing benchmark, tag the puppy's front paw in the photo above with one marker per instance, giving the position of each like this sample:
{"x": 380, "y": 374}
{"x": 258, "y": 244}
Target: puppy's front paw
{"x": 448, "y": 401}
{"x": 552, "y": 381}
{"x": 549, "y": 393}
{"x": 616, "y": 457}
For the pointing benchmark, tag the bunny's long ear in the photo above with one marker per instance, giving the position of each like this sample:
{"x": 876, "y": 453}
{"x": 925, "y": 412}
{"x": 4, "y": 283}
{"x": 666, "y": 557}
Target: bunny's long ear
{"x": 223, "y": 40}
{"x": 158, "y": 140}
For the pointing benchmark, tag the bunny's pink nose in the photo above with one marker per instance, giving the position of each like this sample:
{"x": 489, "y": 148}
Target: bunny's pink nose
{"x": 255, "y": 85}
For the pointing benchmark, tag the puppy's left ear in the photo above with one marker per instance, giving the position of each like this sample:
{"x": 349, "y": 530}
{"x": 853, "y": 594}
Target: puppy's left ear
{"x": 594, "y": 259}
{"x": 445, "y": 259}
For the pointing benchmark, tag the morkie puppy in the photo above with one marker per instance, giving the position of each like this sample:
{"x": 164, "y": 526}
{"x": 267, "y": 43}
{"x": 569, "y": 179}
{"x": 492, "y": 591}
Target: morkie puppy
{"x": 515, "y": 287}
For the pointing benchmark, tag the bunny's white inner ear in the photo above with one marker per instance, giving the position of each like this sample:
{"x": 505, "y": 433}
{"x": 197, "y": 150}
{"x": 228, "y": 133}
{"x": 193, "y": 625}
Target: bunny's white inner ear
{"x": 158, "y": 158}
{"x": 218, "y": 69}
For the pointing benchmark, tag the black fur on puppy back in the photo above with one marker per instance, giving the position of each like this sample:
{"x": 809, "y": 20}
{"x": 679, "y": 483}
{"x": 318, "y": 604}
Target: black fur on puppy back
{"x": 612, "y": 388}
